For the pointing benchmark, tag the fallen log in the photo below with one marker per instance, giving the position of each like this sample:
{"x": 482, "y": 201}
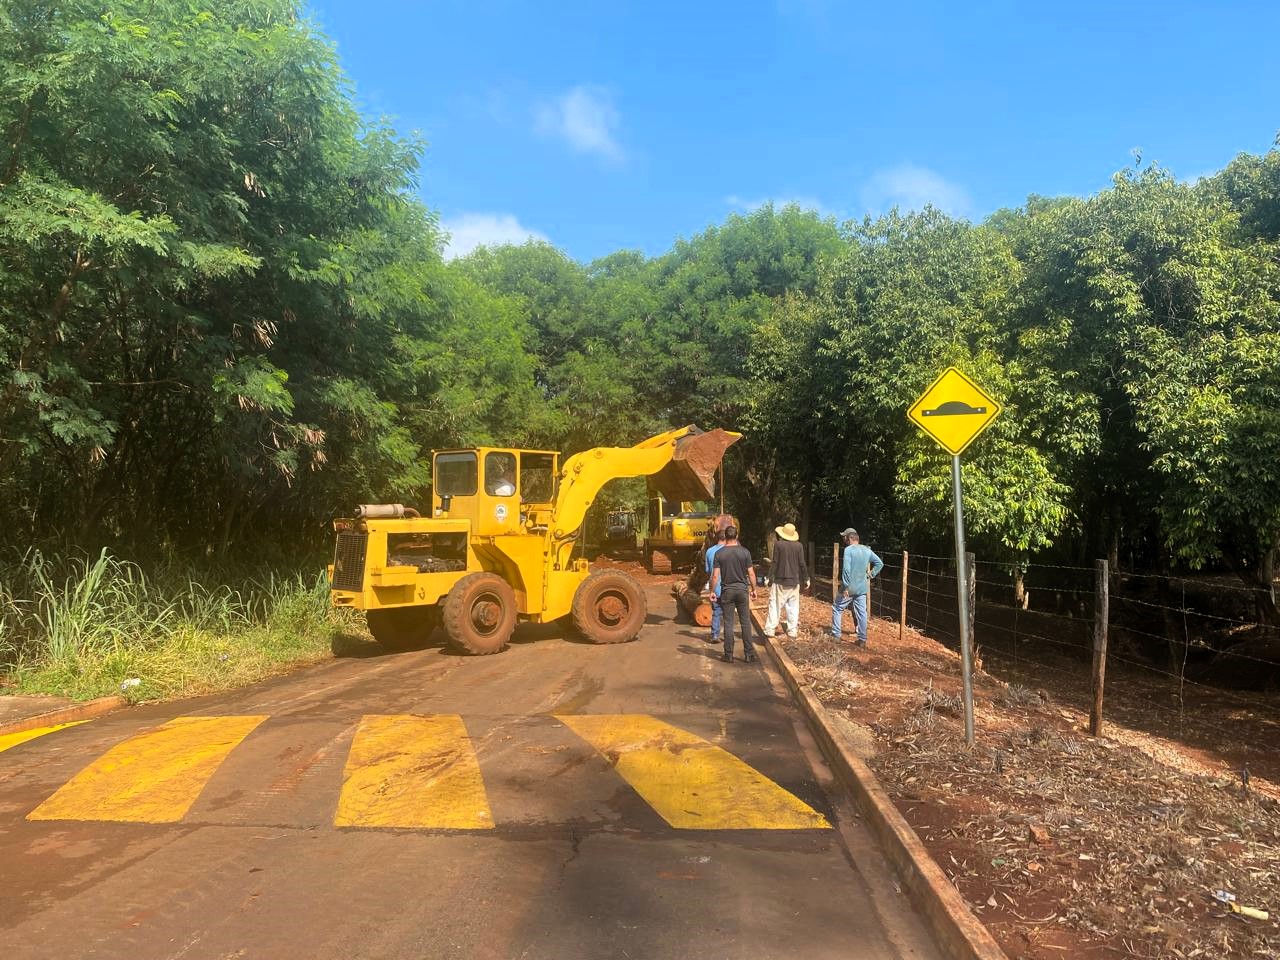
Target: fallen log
{"x": 693, "y": 603}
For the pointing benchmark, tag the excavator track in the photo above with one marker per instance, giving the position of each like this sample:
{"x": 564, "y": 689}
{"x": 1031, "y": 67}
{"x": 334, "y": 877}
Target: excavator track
{"x": 659, "y": 562}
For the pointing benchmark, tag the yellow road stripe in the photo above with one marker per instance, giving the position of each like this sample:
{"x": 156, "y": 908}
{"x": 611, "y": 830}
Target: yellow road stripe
{"x": 413, "y": 772}
{"x": 153, "y": 777}
{"x": 13, "y": 739}
{"x": 692, "y": 784}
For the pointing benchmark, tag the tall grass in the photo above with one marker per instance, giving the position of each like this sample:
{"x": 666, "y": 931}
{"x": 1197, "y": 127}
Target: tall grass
{"x": 83, "y": 626}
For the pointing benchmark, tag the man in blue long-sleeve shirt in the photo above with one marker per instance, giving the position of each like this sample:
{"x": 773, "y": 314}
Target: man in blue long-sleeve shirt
{"x": 716, "y": 612}
{"x": 859, "y": 566}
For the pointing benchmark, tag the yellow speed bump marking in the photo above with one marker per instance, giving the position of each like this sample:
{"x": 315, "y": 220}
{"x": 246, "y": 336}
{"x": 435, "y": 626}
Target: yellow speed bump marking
{"x": 153, "y": 777}
{"x": 13, "y": 739}
{"x": 413, "y": 772}
{"x": 692, "y": 784}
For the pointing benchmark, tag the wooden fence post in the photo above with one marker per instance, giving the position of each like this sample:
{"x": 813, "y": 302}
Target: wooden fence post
{"x": 902, "y": 620}
{"x": 971, "y": 588}
{"x": 1101, "y": 605}
{"x": 835, "y": 572}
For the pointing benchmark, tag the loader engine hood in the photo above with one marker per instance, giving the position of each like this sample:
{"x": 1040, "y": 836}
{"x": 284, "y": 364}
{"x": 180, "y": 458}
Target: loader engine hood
{"x": 691, "y": 473}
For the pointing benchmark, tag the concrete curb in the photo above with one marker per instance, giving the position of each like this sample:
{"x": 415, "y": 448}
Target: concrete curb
{"x": 81, "y": 711}
{"x": 957, "y": 931}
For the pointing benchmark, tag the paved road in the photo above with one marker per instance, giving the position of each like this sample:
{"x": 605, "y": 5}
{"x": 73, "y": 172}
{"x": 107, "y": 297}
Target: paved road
{"x": 559, "y": 800}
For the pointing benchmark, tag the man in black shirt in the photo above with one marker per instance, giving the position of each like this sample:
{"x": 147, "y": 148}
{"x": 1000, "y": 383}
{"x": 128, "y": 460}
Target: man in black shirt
{"x": 735, "y": 575}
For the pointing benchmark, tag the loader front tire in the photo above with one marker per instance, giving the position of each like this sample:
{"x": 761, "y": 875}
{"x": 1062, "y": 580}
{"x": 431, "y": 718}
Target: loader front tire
{"x": 609, "y": 607}
{"x": 480, "y": 613}
{"x": 403, "y": 628}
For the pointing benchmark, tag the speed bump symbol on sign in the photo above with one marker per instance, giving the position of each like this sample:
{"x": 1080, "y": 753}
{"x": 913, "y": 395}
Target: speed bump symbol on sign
{"x": 954, "y": 410}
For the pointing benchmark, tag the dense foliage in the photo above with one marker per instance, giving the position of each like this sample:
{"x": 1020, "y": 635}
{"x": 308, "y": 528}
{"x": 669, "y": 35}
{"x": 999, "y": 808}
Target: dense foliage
{"x": 224, "y": 316}
{"x": 221, "y": 311}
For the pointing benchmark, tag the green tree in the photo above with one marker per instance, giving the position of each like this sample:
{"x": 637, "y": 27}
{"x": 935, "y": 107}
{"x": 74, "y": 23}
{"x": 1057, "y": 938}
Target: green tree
{"x": 911, "y": 295}
{"x": 221, "y": 310}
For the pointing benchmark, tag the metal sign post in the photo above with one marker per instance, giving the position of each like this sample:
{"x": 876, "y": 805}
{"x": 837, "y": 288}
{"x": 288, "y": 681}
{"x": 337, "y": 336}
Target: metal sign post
{"x": 962, "y": 604}
{"x": 953, "y": 411}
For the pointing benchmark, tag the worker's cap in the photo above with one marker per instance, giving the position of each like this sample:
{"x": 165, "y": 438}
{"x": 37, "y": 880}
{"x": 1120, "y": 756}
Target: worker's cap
{"x": 848, "y": 532}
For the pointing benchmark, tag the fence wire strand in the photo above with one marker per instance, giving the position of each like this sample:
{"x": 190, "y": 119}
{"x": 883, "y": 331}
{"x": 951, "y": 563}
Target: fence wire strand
{"x": 1138, "y": 686}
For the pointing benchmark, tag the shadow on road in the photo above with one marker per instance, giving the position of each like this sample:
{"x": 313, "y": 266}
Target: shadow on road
{"x": 695, "y": 634}
{"x": 711, "y": 651}
{"x": 353, "y": 646}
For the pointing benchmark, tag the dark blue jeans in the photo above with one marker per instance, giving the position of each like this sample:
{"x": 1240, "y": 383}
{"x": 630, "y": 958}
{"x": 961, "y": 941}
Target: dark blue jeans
{"x": 859, "y": 604}
{"x": 734, "y": 600}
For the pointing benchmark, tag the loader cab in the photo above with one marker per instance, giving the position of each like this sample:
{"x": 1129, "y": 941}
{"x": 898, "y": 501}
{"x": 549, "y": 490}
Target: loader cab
{"x": 501, "y": 491}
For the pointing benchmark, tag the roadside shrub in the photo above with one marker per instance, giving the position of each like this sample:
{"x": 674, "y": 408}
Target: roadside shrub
{"x": 81, "y": 626}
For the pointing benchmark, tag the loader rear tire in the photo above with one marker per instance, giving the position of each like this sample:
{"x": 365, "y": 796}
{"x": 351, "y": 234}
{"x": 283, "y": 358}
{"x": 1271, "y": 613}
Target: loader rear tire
{"x": 659, "y": 562}
{"x": 480, "y": 613}
{"x": 403, "y": 628}
{"x": 609, "y": 607}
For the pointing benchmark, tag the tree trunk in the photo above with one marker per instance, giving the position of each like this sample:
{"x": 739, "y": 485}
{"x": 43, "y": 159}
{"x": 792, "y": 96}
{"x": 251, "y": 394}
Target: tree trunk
{"x": 1020, "y": 596}
{"x": 1261, "y": 578}
{"x": 1171, "y": 603}
{"x": 1266, "y": 601}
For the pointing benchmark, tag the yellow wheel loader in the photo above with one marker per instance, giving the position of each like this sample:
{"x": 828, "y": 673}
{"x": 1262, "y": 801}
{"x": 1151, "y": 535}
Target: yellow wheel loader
{"x": 498, "y": 545}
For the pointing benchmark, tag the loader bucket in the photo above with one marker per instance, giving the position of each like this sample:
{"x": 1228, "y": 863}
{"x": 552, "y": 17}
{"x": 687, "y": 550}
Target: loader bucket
{"x": 691, "y": 473}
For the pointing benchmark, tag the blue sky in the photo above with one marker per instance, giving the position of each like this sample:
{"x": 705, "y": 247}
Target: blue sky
{"x": 610, "y": 125}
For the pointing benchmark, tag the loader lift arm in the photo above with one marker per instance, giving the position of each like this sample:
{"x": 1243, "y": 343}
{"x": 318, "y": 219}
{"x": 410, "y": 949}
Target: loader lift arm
{"x": 681, "y": 461}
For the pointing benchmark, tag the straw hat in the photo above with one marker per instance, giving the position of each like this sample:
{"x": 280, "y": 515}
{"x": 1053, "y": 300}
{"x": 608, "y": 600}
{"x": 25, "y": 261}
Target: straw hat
{"x": 787, "y": 532}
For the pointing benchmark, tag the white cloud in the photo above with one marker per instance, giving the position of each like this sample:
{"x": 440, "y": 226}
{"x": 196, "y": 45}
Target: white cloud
{"x": 909, "y": 187}
{"x": 803, "y": 202}
{"x": 470, "y": 230}
{"x": 585, "y": 117}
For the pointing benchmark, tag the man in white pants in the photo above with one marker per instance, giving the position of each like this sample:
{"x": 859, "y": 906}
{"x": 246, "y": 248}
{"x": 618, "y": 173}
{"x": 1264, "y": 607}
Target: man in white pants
{"x": 788, "y": 572}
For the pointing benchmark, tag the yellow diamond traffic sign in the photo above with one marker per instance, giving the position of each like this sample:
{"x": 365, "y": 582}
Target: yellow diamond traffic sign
{"x": 953, "y": 411}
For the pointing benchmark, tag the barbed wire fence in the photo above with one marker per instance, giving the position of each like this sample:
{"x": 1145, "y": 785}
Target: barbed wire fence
{"x": 1183, "y": 656}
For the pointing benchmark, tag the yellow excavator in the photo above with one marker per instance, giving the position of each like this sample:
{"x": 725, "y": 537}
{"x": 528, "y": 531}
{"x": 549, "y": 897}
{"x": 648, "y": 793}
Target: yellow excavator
{"x": 498, "y": 545}
{"x": 677, "y": 530}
